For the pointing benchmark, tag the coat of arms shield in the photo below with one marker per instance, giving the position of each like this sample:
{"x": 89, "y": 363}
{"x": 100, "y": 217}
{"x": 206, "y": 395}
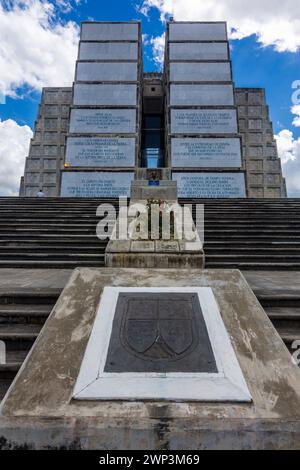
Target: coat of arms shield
{"x": 159, "y": 328}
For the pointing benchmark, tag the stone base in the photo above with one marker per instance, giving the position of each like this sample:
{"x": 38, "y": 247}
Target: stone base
{"x": 39, "y": 412}
{"x": 172, "y": 253}
{"x": 167, "y": 190}
{"x": 152, "y": 254}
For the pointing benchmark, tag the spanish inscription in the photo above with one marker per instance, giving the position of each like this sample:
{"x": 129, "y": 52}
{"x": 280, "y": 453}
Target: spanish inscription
{"x": 198, "y": 121}
{"x": 113, "y": 121}
{"x": 211, "y": 185}
{"x": 100, "y": 151}
{"x": 206, "y": 152}
{"x": 96, "y": 184}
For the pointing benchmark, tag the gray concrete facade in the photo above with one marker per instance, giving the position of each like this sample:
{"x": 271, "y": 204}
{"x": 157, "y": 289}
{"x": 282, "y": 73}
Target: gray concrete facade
{"x": 260, "y": 154}
{"x": 104, "y": 133}
{"x": 101, "y": 117}
{"x": 44, "y": 163}
{"x": 201, "y": 112}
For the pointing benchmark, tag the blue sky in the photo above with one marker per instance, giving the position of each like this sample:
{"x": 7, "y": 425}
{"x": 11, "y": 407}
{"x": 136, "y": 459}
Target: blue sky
{"x": 264, "y": 54}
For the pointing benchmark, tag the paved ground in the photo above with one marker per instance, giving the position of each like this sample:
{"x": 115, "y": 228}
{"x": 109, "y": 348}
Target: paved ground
{"x": 269, "y": 281}
{"x": 274, "y": 282}
{"x": 33, "y": 278}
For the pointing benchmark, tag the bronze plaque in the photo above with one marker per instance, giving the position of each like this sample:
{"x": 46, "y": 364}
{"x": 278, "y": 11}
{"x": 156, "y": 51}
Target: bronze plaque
{"x": 159, "y": 332}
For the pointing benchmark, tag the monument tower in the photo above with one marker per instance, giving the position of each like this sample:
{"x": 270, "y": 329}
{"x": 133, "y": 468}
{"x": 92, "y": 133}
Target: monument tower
{"x": 183, "y": 123}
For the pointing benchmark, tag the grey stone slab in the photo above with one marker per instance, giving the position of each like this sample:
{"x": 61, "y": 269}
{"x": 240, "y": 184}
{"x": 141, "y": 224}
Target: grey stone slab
{"x": 119, "y": 246}
{"x": 167, "y": 190}
{"x": 211, "y": 185}
{"x": 206, "y": 152}
{"x": 201, "y": 95}
{"x": 33, "y": 279}
{"x": 108, "y": 51}
{"x": 140, "y": 246}
{"x": 96, "y": 184}
{"x": 109, "y": 31}
{"x": 203, "y": 121}
{"x": 101, "y": 151}
{"x": 198, "y": 51}
{"x": 197, "y": 32}
{"x": 159, "y": 332}
{"x": 166, "y": 246}
{"x": 105, "y": 71}
{"x": 105, "y": 94}
{"x": 112, "y": 121}
{"x": 167, "y": 260}
{"x": 200, "y": 71}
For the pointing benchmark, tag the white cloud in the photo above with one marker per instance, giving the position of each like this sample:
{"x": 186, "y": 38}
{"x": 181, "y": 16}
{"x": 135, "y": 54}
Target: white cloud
{"x": 275, "y": 23}
{"x": 36, "y": 48}
{"x": 296, "y": 111}
{"x": 158, "y": 47}
{"x": 289, "y": 152}
{"x": 14, "y": 144}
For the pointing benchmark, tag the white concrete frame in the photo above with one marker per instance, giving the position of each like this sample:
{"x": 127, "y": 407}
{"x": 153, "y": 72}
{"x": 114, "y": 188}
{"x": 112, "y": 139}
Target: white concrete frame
{"x": 228, "y": 385}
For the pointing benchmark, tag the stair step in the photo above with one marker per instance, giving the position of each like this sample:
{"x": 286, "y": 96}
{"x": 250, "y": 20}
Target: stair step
{"x": 16, "y": 313}
{"x": 50, "y": 264}
{"x": 289, "y": 335}
{"x": 4, "y": 386}
{"x": 263, "y": 266}
{"x": 16, "y": 356}
{"x": 40, "y": 297}
{"x": 54, "y": 256}
{"x": 283, "y": 313}
{"x": 19, "y": 331}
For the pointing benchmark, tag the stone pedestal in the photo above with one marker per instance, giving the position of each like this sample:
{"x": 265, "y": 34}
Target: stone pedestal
{"x": 154, "y": 254}
{"x": 163, "y": 189}
{"x": 40, "y": 412}
{"x": 173, "y": 250}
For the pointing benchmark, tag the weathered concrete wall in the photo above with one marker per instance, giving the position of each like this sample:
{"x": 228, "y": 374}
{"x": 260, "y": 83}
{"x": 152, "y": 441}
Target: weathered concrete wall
{"x": 264, "y": 174}
{"x": 46, "y": 153}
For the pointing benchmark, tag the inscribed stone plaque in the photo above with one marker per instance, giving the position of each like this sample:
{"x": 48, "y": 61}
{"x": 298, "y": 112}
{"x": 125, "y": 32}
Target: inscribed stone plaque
{"x": 109, "y": 31}
{"x": 210, "y": 185}
{"x": 101, "y": 121}
{"x": 96, "y": 184}
{"x": 201, "y": 95}
{"x": 197, "y": 32}
{"x": 110, "y": 95}
{"x": 199, "y": 51}
{"x": 159, "y": 343}
{"x": 108, "y": 51}
{"x": 206, "y": 152}
{"x": 100, "y": 151}
{"x": 159, "y": 332}
{"x": 200, "y": 72}
{"x": 106, "y": 71}
{"x": 203, "y": 121}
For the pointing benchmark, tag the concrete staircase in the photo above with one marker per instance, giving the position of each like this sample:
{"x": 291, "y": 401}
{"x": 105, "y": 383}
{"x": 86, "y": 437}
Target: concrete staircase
{"x": 251, "y": 234}
{"x": 22, "y": 315}
{"x": 50, "y": 233}
{"x": 61, "y": 233}
{"x": 283, "y": 310}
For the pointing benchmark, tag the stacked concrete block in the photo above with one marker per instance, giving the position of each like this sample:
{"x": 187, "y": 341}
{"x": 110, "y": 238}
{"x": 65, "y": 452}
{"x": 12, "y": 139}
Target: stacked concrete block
{"x": 104, "y": 134}
{"x": 202, "y": 140}
{"x": 264, "y": 174}
{"x": 45, "y": 160}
